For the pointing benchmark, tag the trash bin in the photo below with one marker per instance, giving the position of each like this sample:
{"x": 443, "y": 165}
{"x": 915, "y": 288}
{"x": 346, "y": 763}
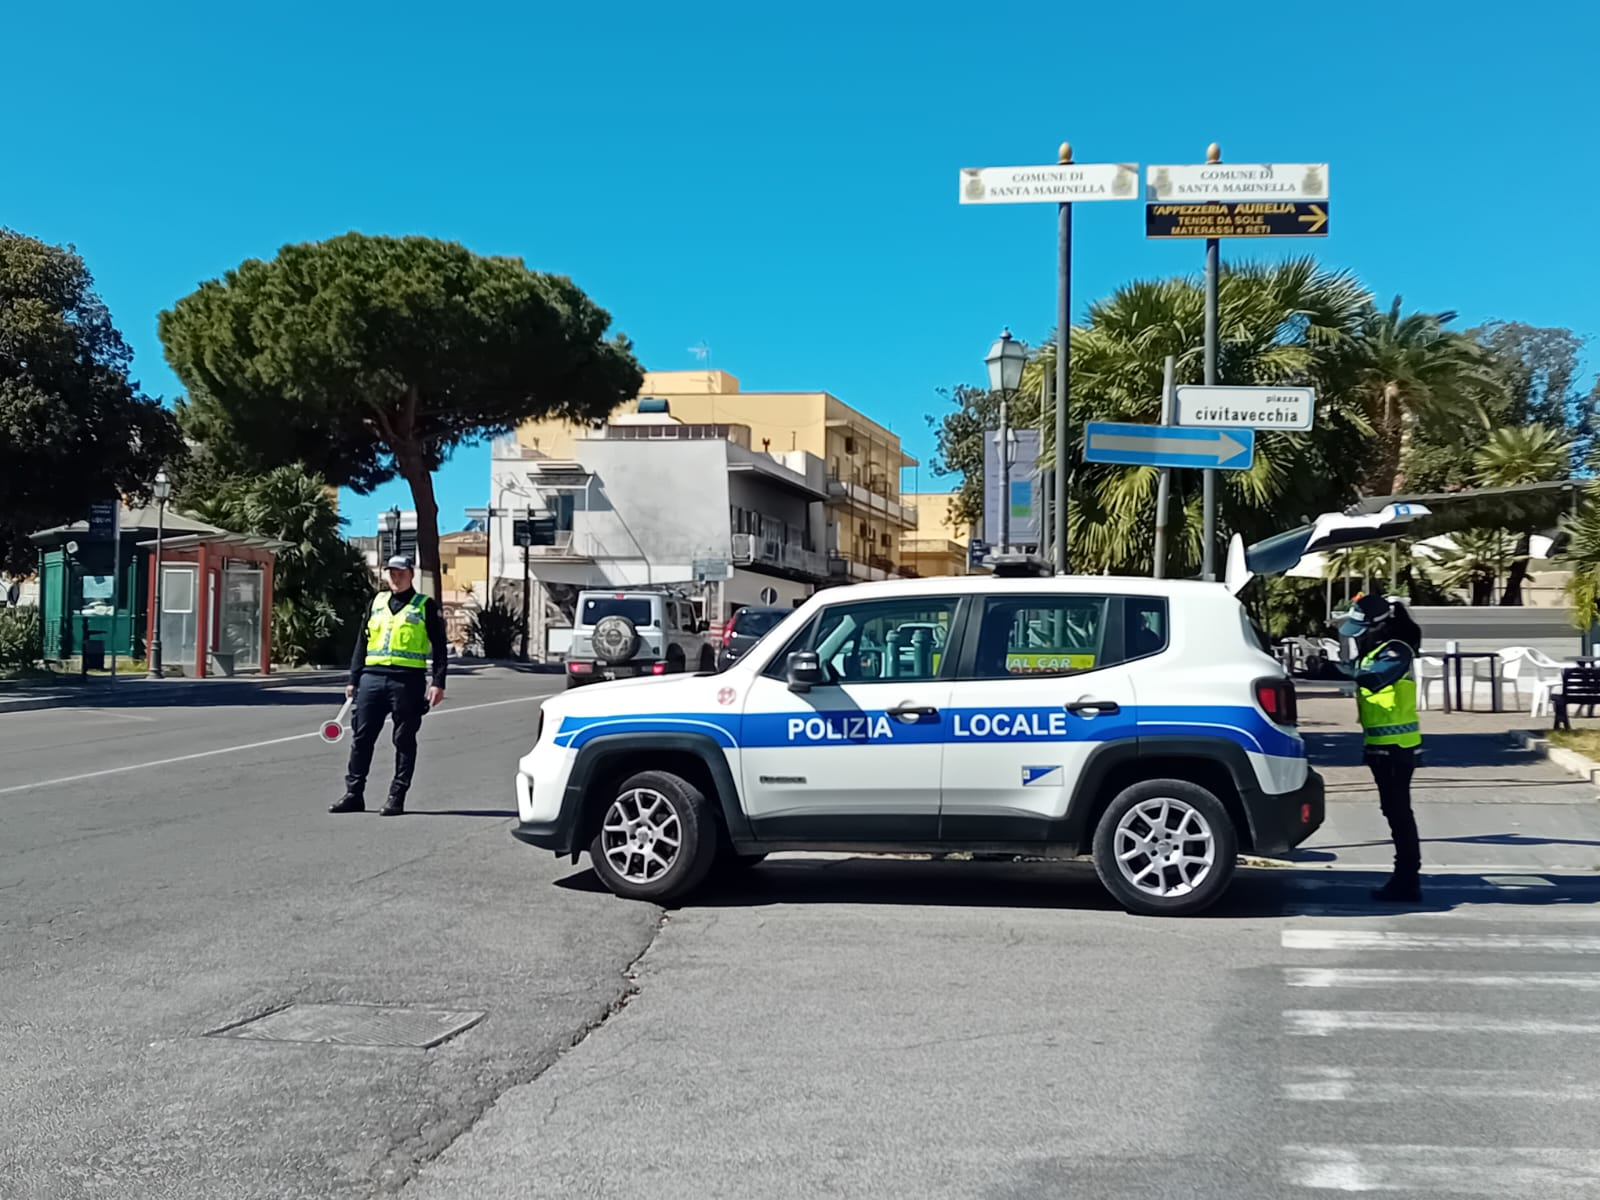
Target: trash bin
{"x": 94, "y": 655}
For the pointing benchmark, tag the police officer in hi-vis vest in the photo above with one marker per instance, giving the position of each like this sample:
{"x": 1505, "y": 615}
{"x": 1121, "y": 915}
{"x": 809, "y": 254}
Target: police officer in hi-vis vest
{"x": 1387, "y": 643}
{"x": 389, "y": 678}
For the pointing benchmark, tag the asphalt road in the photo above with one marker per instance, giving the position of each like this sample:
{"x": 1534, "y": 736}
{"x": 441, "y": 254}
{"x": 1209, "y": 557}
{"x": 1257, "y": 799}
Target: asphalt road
{"x": 872, "y": 1028}
{"x": 168, "y": 871}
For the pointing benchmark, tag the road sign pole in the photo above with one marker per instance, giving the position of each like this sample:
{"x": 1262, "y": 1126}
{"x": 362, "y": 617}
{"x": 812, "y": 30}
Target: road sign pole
{"x": 1164, "y": 480}
{"x": 525, "y": 588}
{"x": 1063, "y": 373}
{"x": 1046, "y": 492}
{"x": 1063, "y": 183}
{"x": 1208, "y": 525}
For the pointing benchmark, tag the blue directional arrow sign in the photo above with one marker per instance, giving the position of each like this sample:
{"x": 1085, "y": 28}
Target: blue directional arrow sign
{"x": 1168, "y": 446}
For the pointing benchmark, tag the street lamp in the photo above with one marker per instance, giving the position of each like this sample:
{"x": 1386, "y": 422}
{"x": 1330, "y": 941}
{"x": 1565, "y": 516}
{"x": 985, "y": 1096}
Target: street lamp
{"x": 391, "y": 526}
{"x": 1005, "y": 360}
{"x": 162, "y": 490}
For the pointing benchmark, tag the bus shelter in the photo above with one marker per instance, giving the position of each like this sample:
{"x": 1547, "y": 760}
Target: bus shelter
{"x": 216, "y": 602}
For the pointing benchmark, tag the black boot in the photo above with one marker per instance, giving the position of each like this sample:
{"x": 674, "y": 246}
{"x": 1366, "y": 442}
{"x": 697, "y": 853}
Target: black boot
{"x": 1399, "y": 890}
{"x": 348, "y": 803}
{"x": 396, "y": 807}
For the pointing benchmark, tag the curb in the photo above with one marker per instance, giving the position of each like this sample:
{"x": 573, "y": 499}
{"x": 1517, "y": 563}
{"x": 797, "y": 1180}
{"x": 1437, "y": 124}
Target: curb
{"x": 90, "y": 695}
{"x": 1584, "y": 767}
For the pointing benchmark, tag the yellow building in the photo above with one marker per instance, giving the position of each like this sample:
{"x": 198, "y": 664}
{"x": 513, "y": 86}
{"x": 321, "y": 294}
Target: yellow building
{"x": 866, "y": 518}
{"x": 463, "y": 565}
{"x": 938, "y": 544}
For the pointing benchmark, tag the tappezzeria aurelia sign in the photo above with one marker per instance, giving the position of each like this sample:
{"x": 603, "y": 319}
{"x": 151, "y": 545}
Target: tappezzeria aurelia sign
{"x": 1237, "y": 181}
{"x": 1067, "y": 183}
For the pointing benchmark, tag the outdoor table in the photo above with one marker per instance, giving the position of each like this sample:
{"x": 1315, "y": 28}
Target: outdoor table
{"x": 1459, "y": 656}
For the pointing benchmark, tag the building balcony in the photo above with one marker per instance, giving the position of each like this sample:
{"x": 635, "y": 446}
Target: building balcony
{"x": 751, "y": 550}
{"x": 570, "y": 546}
{"x": 868, "y": 500}
{"x": 849, "y": 570}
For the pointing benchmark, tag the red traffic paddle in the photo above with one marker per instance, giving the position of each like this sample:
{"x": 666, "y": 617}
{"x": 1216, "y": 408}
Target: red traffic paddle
{"x": 333, "y": 730}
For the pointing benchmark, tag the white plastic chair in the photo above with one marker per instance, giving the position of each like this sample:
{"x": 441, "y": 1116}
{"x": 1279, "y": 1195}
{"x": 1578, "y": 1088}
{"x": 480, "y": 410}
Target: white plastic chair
{"x": 1429, "y": 671}
{"x": 1544, "y": 675}
{"x": 1503, "y": 672}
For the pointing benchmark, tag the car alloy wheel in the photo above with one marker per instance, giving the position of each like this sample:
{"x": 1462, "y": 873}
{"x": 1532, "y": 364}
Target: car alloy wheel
{"x": 1164, "y": 847}
{"x": 641, "y": 835}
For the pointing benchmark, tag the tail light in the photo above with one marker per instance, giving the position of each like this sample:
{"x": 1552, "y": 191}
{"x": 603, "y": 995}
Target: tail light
{"x": 1277, "y": 699}
{"x": 580, "y": 668}
{"x": 659, "y": 668}
{"x": 727, "y": 635}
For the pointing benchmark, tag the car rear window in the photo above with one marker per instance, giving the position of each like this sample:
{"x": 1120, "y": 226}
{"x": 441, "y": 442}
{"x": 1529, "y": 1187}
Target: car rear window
{"x": 755, "y": 622}
{"x": 597, "y": 607}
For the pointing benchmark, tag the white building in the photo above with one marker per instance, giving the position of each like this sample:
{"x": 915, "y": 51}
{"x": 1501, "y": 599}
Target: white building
{"x": 650, "y": 501}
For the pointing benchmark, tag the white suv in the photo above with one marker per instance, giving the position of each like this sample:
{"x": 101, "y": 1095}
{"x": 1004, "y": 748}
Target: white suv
{"x": 621, "y": 634}
{"x": 1136, "y": 720}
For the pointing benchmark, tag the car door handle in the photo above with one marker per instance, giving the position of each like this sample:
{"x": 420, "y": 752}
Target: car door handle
{"x": 907, "y": 711}
{"x": 1093, "y": 707}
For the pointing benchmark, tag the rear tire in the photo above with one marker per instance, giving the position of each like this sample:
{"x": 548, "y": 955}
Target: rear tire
{"x": 708, "y": 660}
{"x": 657, "y": 838}
{"x": 1165, "y": 848}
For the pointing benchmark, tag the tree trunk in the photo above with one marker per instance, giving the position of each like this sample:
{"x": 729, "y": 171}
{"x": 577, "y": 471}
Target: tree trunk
{"x": 1384, "y": 476}
{"x": 1512, "y": 596}
{"x": 422, "y": 498}
{"x": 407, "y": 450}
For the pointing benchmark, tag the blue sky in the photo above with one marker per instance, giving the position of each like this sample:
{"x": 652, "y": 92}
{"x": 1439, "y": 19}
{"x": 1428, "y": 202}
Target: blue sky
{"x": 779, "y": 182}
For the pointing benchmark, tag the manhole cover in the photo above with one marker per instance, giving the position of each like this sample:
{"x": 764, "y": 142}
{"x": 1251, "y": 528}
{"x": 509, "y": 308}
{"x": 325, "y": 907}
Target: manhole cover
{"x": 354, "y": 1025}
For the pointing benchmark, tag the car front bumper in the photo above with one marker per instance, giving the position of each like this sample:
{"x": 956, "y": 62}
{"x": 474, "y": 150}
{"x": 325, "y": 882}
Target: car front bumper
{"x": 1281, "y": 821}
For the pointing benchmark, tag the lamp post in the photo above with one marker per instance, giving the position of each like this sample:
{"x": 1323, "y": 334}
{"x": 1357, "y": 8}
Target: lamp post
{"x": 162, "y": 490}
{"x": 391, "y": 523}
{"x": 1005, "y": 360}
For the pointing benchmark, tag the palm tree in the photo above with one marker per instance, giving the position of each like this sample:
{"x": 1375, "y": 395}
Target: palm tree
{"x": 1406, "y": 368}
{"x": 1533, "y": 454}
{"x": 1582, "y": 558}
{"x": 1475, "y": 561}
{"x": 1277, "y": 323}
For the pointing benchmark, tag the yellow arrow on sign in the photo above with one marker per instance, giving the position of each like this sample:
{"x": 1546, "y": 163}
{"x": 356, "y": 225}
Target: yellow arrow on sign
{"x": 1317, "y": 218}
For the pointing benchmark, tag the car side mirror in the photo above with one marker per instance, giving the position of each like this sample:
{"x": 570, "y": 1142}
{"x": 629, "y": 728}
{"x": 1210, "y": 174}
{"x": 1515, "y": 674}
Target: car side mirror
{"x": 805, "y": 671}
{"x": 702, "y": 627}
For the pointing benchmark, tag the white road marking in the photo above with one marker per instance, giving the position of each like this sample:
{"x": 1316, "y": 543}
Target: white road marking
{"x": 1338, "y": 977}
{"x": 106, "y": 712}
{"x": 1313, "y": 1085}
{"x": 443, "y": 711}
{"x": 1372, "y": 939}
{"x": 1462, "y": 1170}
{"x": 1325, "y": 1022}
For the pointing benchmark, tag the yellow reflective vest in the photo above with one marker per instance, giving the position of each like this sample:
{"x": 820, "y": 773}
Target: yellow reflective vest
{"x": 398, "y": 639}
{"x": 1389, "y": 716}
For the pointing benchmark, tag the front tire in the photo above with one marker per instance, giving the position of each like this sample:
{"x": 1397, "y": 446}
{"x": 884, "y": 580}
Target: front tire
{"x": 657, "y": 838}
{"x": 1165, "y": 848}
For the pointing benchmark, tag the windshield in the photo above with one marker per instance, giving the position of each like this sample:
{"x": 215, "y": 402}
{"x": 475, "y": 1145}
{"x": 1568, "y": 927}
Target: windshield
{"x": 756, "y": 622}
{"x": 596, "y": 607}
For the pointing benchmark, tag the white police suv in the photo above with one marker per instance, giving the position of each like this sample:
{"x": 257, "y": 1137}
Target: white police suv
{"x": 1136, "y": 720}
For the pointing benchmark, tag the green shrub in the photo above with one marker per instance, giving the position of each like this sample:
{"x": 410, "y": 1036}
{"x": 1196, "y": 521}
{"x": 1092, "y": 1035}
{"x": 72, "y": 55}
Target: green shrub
{"x": 21, "y": 638}
{"x": 496, "y": 629}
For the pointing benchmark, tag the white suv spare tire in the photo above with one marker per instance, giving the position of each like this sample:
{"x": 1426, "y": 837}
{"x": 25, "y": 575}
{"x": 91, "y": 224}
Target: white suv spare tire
{"x": 615, "y": 639}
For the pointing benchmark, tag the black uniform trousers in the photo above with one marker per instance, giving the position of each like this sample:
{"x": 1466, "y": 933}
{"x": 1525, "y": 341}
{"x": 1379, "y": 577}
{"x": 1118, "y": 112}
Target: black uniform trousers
{"x": 1392, "y": 767}
{"x": 402, "y": 695}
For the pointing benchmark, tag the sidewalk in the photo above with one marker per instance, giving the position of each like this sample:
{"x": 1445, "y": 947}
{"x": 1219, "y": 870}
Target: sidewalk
{"x": 70, "y": 691}
{"x": 1482, "y": 802}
